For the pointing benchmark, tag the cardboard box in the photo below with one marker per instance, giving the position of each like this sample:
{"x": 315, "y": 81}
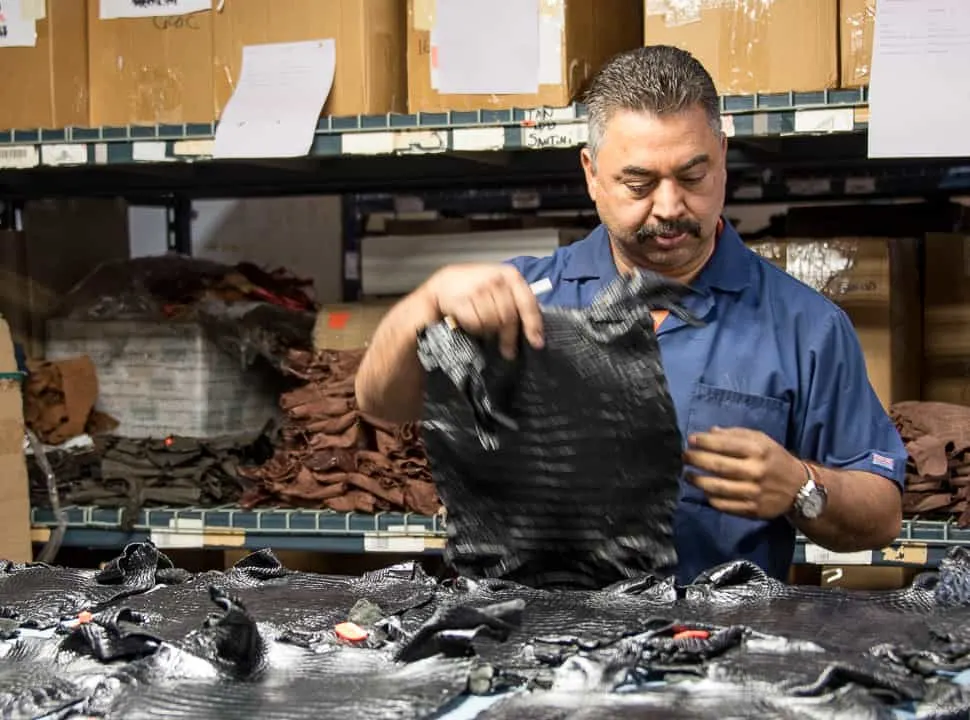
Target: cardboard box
{"x": 370, "y": 38}
{"x": 857, "y": 24}
{"x": 577, "y": 37}
{"x": 349, "y": 326}
{"x": 46, "y": 86}
{"x": 874, "y": 280}
{"x": 778, "y": 46}
{"x": 946, "y": 308}
{"x": 15, "y": 540}
{"x": 150, "y": 70}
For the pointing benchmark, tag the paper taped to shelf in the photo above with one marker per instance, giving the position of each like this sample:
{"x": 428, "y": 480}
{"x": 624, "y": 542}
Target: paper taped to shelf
{"x": 276, "y": 105}
{"x": 17, "y": 27}
{"x": 113, "y": 9}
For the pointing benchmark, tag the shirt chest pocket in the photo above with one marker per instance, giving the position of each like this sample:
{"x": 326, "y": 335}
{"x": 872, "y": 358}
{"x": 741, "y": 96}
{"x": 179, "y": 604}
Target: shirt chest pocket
{"x": 725, "y": 408}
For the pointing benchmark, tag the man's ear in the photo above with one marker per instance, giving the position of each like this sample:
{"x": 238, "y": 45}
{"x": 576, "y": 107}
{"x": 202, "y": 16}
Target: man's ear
{"x": 589, "y": 169}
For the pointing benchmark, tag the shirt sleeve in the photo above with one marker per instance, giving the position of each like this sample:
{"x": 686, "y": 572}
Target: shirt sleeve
{"x": 844, "y": 425}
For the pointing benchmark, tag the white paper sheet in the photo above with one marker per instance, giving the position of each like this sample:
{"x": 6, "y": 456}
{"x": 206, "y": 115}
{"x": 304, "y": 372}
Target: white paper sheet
{"x": 550, "y": 50}
{"x": 919, "y": 94}
{"x": 111, "y": 9}
{"x": 275, "y": 107}
{"x": 487, "y": 46}
{"x": 15, "y": 29}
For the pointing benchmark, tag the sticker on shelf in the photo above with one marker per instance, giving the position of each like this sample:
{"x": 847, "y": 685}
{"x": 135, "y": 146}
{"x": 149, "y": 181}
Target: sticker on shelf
{"x": 113, "y": 9}
{"x": 384, "y": 543}
{"x": 183, "y": 534}
{"x": 148, "y": 151}
{"x": 57, "y": 155}
{"x": 194, "y": 148}
{"x": 816, "y": 555}
{"x": 474, "y": 139}
{"x": 825, "y": 120}
{"x": 19, "y": 157}
{"x": 410, "y": 142}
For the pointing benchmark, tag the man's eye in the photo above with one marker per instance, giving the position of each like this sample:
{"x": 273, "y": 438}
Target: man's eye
{"x": 639, "y": 189}
{"x": 692, "y": 179}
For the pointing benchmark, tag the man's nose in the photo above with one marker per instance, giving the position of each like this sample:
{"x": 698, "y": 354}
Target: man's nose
{"x": 668, "y": 201}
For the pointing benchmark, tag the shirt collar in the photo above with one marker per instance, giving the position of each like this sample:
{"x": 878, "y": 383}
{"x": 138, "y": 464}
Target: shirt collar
{"x": 729, "y": 268}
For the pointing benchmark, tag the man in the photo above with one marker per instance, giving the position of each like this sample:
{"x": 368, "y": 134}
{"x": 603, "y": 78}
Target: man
{"x": 782, "y": 427}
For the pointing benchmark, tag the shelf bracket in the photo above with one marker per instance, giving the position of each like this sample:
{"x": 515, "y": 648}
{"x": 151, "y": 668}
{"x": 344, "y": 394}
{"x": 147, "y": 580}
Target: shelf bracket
{"x": 178, "y": 216}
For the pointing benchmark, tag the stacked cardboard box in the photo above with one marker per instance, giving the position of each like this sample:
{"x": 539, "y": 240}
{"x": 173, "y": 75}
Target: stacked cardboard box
{"x": 946, "y": 307}
{"x": 46, "y": 86}
{"x": 775, "y": 46}
{"x": 575, "y": 38}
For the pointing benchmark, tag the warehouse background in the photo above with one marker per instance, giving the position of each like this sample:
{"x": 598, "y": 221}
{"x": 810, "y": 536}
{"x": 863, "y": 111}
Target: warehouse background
{"x": 114, "y": 165}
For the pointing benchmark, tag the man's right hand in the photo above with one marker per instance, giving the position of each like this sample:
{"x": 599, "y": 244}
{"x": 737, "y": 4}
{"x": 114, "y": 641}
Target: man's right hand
{"x": 488, "y": 300}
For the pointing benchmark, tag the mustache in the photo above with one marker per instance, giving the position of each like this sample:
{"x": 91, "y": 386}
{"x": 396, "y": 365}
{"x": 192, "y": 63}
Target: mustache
{"x": 674, "y": 227}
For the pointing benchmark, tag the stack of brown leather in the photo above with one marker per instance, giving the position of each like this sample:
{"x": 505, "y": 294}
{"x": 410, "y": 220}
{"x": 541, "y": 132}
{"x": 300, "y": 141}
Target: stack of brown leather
{"x": 333, "y": 456}
{"x": 937, "y": 437}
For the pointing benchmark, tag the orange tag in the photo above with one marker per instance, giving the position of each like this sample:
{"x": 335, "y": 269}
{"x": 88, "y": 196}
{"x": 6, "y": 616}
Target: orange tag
{"x": 351, "y": 632}
{"x": 338, "y": 320}
{"x": 658, "y": 318}
{"x": 692, "y": 634}
{"x": 84, "y": 617}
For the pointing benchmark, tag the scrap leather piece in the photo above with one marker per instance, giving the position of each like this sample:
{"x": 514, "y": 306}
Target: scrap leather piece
{"x": 560, "y": 468}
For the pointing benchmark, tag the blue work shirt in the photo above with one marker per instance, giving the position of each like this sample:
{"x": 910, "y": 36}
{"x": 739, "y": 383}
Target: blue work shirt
{"x": 774, "y": 355}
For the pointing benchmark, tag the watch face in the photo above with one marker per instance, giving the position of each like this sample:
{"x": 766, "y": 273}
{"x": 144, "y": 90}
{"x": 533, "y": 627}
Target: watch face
{"x": 813, "y": 505}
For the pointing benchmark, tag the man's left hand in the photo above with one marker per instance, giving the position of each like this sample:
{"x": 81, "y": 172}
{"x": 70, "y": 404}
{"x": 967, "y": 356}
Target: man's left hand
{"x": 744, "y": 472}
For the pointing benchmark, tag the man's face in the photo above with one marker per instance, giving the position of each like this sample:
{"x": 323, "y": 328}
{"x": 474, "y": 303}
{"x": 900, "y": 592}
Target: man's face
{"x": 658, "y": 183}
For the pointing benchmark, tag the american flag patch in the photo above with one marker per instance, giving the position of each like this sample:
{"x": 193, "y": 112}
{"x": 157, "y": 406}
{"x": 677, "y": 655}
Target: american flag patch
{"x": 882, "y": 461}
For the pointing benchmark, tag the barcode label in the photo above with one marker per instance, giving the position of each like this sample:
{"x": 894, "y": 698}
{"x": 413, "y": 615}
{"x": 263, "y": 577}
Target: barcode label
{"x": 20, "y": 156}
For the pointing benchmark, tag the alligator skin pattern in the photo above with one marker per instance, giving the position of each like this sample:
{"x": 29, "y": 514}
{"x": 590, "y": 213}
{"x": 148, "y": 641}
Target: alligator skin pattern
{"x": 559, "y": 468}
{"x": 262, "y": 641}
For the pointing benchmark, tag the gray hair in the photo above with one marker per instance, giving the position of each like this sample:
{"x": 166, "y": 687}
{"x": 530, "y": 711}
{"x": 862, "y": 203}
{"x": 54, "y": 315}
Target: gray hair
{"x": 659, "y": 79}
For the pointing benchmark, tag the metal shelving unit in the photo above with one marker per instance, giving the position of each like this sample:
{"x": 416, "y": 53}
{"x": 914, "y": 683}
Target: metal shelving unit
{"x": 923, "y": 543}
{"x": 784, "y": 147}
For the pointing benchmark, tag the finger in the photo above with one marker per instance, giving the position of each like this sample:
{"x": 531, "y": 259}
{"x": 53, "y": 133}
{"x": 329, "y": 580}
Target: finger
{"x": 527, "y": 308}
{"x": 723, "y": 466}
{"x": 508, "y": 322}
{"x": 726, "y": 442}
{"x": 467, "y": 317}
{"x": 724, "y": 489}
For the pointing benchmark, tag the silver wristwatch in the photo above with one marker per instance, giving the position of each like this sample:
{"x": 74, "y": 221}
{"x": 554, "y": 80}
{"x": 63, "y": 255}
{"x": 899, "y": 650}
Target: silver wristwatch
{"x": 811, "y": 498}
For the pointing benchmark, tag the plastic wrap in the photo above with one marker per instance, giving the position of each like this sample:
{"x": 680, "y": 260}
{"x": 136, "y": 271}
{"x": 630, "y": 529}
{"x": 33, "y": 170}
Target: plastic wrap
{"x": 752, "y": 46}
{"x": 561, "y": 467}
{"x": 857, "y": 21}
{"x": 827, "y": 266}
